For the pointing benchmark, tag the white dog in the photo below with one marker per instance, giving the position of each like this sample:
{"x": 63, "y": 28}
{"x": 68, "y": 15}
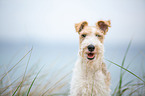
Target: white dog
{"x": 90, "y": 76}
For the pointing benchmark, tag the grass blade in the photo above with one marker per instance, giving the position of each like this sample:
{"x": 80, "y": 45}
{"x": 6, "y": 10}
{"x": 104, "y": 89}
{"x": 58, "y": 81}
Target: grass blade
{"x": 121, "y": 74}
{"x": 17, "y": 89}
{"x": 115, "y": 90}
{"x": 24, "y": 74}
{"x": 135, "y": 91}
{"x": 33, "y": 81}
{"x": 126, "y": 70}
{"x": 9, "y": 85}
{"x": 128, "y": 83}
{"x": 16, "y": 64}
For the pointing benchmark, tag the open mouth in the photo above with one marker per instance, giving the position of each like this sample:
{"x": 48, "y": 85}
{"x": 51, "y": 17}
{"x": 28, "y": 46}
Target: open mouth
{"x": 90, "y": 56}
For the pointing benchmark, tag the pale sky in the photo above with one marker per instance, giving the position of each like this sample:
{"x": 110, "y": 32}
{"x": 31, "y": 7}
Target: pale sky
{"x": 53, "y": 20}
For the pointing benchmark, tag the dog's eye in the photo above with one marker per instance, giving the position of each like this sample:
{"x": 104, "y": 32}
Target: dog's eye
{"x": 84, "y": 35}
{"x": 98, "y": 35}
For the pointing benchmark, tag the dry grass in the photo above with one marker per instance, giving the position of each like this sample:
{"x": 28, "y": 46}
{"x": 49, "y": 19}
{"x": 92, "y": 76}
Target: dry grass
{"x": 34, "y": 83}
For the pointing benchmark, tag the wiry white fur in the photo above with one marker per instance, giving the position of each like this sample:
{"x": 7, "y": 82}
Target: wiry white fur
{"x": 88, "y": 78}
{"x": 84, "y": 80}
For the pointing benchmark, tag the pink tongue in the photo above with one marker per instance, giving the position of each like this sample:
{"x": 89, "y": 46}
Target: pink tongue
{"x": 90, "y": 55}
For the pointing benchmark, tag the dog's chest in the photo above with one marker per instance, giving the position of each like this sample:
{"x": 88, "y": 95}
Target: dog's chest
{"x": 93, "y": 84}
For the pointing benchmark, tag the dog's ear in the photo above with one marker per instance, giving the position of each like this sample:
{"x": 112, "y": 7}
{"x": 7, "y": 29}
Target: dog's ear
{"x": 80, "y": 26}
{"x": 104, "y": 25}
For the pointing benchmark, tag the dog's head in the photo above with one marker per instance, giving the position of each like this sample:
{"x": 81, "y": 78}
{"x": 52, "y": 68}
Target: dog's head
{"x": 91, "y": 39}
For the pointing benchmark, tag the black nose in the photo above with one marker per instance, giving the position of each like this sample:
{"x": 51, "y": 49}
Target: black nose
{"x": 91, "y": 47}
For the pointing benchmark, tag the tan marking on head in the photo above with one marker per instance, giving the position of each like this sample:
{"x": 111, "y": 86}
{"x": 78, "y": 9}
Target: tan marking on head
{"x": 90, "y": 31}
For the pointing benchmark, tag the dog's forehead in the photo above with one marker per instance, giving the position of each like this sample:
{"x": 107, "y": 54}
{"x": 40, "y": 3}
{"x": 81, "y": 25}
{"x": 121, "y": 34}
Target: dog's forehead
{"x": 91, "y": 29}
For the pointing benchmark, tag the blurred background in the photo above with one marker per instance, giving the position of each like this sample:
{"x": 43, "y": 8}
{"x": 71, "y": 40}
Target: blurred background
{"x": 47, "y": 26}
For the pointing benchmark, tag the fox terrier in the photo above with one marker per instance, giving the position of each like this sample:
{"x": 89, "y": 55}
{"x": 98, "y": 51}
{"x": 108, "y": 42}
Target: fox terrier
{"x": 90, "y": 76}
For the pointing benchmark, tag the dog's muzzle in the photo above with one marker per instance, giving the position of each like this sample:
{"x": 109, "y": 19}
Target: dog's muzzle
{"x": 91, "y": 54}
